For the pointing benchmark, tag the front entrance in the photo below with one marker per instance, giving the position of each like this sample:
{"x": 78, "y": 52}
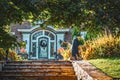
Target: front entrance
{"x": 43, "y": 44}
{"x": 43, "y": 48}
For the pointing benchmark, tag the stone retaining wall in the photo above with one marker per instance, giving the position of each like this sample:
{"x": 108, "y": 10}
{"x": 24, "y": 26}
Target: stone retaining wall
{"x": 86, "y": 71}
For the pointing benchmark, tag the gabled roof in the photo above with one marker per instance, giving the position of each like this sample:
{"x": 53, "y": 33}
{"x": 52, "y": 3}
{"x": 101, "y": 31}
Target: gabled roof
{"x": 38, "y": 26}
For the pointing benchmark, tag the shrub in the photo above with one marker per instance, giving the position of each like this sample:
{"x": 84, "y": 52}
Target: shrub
{"x": 104, "y": 46}
{"x": 2, "y": 54}
{"x": 12, "y": 55}
{"x": 81, "y": 40}
{"x": 64, "y": 44}
{"x": 66, "y": 53}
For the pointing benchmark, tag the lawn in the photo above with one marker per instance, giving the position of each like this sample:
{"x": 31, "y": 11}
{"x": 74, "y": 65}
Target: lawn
{"x": 110, "y": 66}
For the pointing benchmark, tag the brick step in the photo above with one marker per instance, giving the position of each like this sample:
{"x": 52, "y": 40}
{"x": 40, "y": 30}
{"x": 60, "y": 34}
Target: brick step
{"x": 37, "y": 67}
{"x": 38, "y": 70}
{"x": 41, "y": 70}
{"x": 48, "y": 77}
{"x": 40, "y": 61}
{"x": 62, "y": 63}
{"x": 33, "y": 73}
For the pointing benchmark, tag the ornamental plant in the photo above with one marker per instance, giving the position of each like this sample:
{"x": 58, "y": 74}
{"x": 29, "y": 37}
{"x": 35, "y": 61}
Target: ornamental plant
{"x": 66, "y": 53}
{"x": 60, "y": 50}
{"x": 64, "y": 44}
{"x": 103, "y": 46}
{"x": 81, "y": 40}
{"x": 12, "y": 55}
{"x": 2, "y": 54}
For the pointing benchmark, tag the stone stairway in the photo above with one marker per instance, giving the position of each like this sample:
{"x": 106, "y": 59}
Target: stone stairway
{"x": 38, "y": 70}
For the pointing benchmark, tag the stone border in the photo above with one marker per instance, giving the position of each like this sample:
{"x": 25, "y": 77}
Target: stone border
{"x": 1, "y": 65}
{"x": 86, "y": 71}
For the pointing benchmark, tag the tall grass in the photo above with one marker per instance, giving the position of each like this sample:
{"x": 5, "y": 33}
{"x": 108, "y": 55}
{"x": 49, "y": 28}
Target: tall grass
{"x": 103, "y": 46}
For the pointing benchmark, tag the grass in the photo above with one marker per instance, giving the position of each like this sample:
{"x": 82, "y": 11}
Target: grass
{"x": 110, "y": 66}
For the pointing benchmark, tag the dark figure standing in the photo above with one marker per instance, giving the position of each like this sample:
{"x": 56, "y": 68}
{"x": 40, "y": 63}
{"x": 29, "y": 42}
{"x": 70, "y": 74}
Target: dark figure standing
{"x": 76, "y": 43}
{"x": 7, "y": 51}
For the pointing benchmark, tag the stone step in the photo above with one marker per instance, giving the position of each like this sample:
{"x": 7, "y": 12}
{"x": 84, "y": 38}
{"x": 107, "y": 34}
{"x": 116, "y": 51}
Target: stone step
{"x": 45, "y": 77}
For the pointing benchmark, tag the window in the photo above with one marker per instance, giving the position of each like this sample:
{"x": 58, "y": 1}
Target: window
{"x": 34, "y": 49}
{"x": 52, "y": 49}
{"x": 37, "y": 34}
{"x": 51, "y": 35}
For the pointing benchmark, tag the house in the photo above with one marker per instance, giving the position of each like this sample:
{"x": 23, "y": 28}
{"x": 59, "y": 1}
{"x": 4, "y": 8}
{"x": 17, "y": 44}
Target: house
{"x": 41, "y": 43}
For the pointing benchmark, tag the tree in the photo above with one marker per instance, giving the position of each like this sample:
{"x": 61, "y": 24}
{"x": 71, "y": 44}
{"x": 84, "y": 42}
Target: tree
{"x": 16, "y": 11}
{"x": 106, "y": 13}
{"x": 7, "y": 40}
{"x": 85, "y": 14}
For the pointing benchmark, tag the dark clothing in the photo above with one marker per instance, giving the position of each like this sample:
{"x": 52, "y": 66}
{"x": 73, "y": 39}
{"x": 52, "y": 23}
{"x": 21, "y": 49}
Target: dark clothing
{"x": 7, "y": 51}
{"x": 75, "y": 47}
{"x": 60, "y": 57}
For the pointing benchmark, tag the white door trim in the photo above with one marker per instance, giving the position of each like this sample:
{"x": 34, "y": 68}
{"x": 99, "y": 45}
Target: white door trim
{"x": 38, "y": 46}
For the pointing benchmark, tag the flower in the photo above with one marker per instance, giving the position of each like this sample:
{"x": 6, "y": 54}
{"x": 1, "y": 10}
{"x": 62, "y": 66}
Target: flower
{"x": 60, "y": 50}
{"x": 65, "y": 53}
{"x": 22, "y": 50}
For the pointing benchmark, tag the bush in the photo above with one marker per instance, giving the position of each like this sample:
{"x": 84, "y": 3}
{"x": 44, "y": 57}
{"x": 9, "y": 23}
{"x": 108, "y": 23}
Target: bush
{"x": 64, "y": 44}
{"x": 65, "y": 51}
{"x": 24, "y": 56}
{"x": 104, "y": 46}
{"x": 66, "y": 54}
{"x": 11, "y": 56}
{"x": 2, "y": 54}
{"x": 81, "y": 40}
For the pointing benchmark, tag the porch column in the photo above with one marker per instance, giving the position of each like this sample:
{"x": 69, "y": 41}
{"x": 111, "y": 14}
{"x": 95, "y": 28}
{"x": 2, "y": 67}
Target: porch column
{"x": 59, "y": 37}
{"x": 26, "y": 38}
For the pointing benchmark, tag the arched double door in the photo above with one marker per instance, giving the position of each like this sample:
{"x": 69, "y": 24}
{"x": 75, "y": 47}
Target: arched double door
{"x": 43, "y": 44}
